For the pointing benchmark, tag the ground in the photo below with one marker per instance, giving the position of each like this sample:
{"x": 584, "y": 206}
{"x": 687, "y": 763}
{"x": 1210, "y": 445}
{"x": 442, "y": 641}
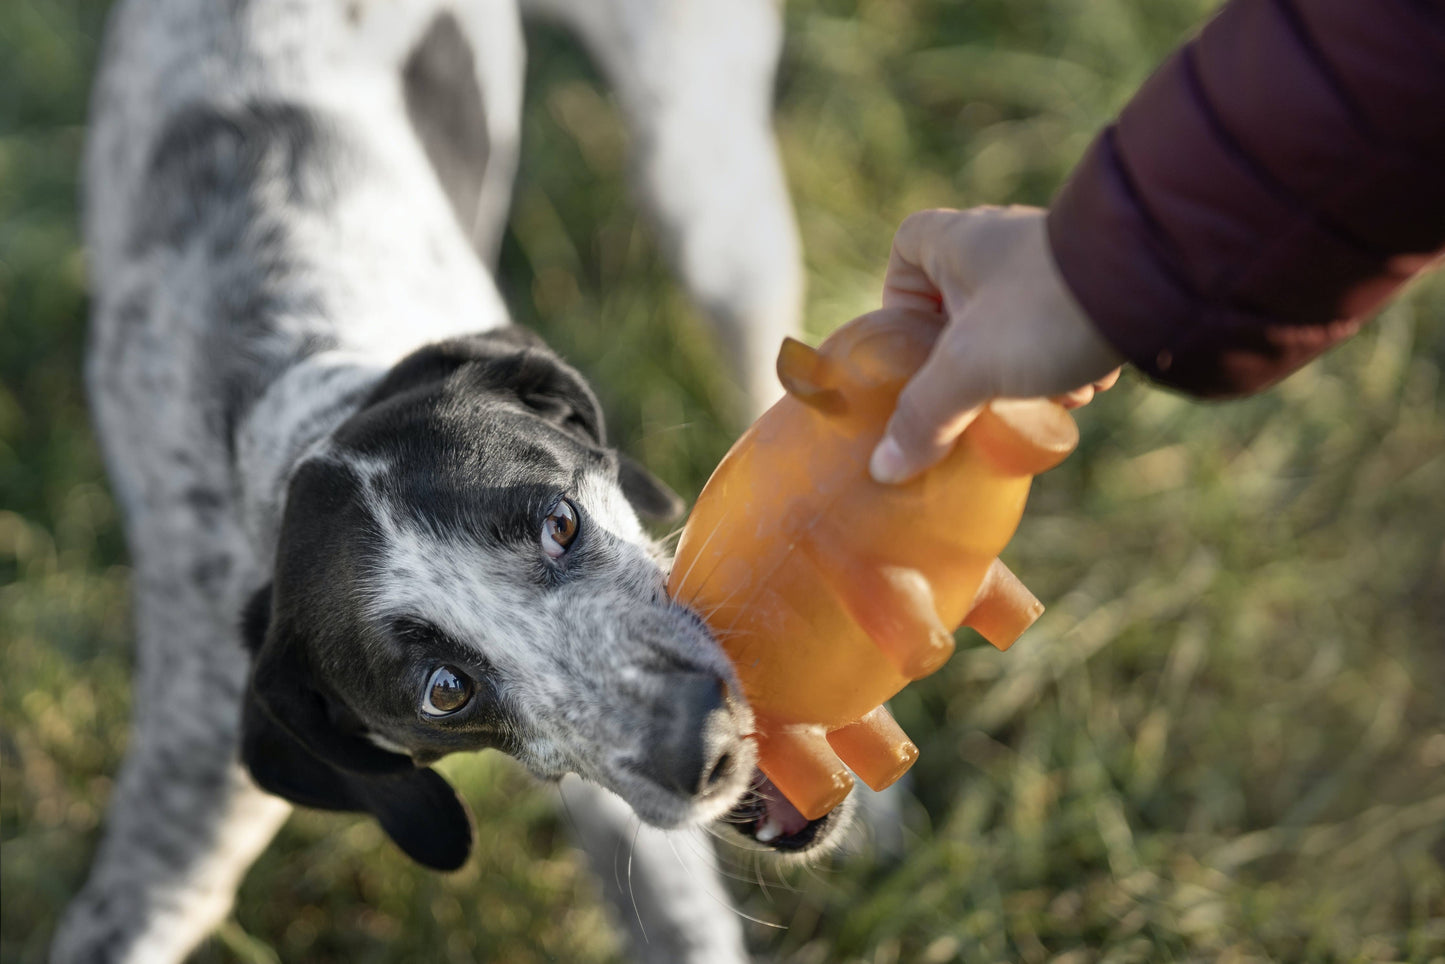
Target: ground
{"x": 1225, "y": 740}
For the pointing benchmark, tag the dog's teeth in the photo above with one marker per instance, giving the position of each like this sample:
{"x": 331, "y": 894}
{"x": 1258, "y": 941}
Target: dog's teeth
{"x": 768, "y": 831}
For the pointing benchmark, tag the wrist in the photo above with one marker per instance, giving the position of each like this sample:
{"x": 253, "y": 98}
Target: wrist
{"x": 1084, "y": 340}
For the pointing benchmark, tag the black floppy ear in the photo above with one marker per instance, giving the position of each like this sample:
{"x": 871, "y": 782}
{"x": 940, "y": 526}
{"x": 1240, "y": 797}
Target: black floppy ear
{"x": 333, "y": 770}
{"x": 418, "y": 809}
{"x": 649, "y": 495}
{"x": 283, "y": 684}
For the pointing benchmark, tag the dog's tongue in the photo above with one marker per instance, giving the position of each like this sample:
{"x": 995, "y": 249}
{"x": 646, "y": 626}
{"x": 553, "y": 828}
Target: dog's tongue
{"x": 780, "y": 818}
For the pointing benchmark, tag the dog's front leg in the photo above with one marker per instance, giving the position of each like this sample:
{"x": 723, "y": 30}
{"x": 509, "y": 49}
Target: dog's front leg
{"x": 664, "y": 886}
{"x": 184, "y": 821}
{"x": 695, "y": 81}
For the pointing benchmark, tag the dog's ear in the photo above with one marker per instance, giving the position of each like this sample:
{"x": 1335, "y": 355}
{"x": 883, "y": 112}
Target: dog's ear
{"x": 294, "y": 748}
{"x": 286, "y": 689}
{"x": 511, "y": 361}
{"x": 649, "y": 495}
{"x": 418, "y": 809}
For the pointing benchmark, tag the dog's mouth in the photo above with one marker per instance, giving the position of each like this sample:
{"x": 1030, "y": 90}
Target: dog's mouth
{"x": 765, "y": 816}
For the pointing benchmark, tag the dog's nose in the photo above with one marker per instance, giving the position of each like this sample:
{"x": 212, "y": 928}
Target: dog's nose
{"x": 695, "y": 735}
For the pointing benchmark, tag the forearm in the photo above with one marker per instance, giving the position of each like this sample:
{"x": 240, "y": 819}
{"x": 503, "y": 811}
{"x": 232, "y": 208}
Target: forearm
{"x": 1268, "y": 188}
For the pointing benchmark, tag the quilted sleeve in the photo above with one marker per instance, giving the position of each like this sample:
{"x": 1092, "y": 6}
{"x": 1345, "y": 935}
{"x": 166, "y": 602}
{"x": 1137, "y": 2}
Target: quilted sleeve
{"x": 1275, "y": 181}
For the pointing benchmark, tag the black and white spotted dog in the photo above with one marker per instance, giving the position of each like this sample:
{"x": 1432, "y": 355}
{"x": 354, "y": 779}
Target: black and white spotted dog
{"x": 371, "y": 522}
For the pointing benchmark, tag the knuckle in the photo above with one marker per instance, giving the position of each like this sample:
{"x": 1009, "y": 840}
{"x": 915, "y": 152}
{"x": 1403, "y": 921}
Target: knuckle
{"x": 959, "y": 353}
{"x": 924, "y": 224}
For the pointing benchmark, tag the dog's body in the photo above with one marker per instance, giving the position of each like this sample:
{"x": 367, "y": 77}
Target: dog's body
{"x": 316, "y": 413}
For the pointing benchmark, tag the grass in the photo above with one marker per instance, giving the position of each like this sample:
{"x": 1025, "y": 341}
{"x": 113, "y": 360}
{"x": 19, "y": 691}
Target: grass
{"x": 1224, "y": 741}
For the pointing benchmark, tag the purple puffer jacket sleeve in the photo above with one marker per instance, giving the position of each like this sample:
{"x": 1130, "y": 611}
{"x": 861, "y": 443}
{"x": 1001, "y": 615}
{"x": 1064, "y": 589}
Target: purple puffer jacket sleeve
{"x": 1278, "y": 178}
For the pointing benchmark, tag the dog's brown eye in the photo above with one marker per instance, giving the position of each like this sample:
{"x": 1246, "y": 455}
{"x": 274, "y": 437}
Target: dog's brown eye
{"x": 560, "y": 529}
{"x": 447, "y": 691}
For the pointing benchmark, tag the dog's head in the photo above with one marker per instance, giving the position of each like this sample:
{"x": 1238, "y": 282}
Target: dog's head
{"x": 462, "y": 567}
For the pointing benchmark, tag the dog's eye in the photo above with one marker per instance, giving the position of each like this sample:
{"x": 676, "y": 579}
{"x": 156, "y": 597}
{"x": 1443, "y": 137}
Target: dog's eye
{"x": 560, "y": 529}
{"x": 447, "y": 691}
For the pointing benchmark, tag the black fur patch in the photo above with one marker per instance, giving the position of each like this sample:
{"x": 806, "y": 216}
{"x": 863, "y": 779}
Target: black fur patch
{"x": 208, "y": 159}
{"x": 447, "y": 110}
{"x": 211, "y": 186}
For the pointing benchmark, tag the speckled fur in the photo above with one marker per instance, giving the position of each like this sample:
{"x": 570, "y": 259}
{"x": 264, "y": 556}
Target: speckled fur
{"x": 268, "y": 237}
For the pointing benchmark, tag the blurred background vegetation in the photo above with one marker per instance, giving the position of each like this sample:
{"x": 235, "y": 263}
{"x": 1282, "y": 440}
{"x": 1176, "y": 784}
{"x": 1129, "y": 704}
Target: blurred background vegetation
{"x": 1224, "y": 741}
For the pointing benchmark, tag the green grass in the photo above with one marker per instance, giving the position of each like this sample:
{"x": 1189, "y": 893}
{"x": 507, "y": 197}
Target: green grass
{"x": 1224, "y": 741}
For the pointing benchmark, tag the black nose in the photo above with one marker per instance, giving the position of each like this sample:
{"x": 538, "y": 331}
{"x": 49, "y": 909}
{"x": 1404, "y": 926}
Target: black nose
{"x": 694, "y": 735}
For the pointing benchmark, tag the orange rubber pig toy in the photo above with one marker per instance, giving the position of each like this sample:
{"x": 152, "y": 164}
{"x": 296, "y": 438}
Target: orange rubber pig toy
{"x": 831, "y": 592}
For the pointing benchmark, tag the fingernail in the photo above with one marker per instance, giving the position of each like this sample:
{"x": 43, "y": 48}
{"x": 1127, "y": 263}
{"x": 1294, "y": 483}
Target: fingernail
{"x": 887, "y": 464}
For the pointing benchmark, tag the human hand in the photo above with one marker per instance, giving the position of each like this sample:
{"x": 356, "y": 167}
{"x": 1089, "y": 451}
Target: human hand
{"x": 1011, "y": 328}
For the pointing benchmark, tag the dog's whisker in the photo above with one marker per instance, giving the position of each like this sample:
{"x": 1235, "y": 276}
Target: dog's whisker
{"x": 632, "y": 851}
{"x": 717, "y": 607}
{"x": 808, "y": 870}
{"x": 727, "y": 872}
{"x": 709, "y": 857}
{"x": 665, "y": 430}
{"x": 727, "y": 632}
{"x": 702, "y": 550}
{"x": 567, "y": 811}
{"x": 616, "y": 873}
{"x": 733, "y": 633}
{"x": 762, "y": 884}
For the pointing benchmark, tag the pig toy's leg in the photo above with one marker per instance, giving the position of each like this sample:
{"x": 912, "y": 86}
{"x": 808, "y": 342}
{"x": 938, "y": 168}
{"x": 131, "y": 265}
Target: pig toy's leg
{"x": 875, "y": 748}
{"x": 802, "y": 764}
{"x": 892, "y": 604}
{"x": 1003, "y": 608}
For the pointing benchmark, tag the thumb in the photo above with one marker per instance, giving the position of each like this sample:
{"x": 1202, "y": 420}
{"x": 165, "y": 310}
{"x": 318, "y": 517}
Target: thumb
{"x": 932, "y": 412}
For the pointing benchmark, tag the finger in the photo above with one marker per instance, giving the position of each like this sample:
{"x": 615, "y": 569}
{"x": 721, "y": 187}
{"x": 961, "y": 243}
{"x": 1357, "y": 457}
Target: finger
{"x": 910, "y": 281}
{"x": 932, "y": 412}
{"x": 1108, "y": 381}
{"x": 1083, "y": 395}
{"x": 915, "y": 293}
{"x": 1078, "y": 398}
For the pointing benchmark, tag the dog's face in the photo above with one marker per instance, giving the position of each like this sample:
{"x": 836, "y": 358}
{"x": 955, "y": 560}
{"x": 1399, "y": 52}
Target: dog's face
{"x": 463, "y": 568}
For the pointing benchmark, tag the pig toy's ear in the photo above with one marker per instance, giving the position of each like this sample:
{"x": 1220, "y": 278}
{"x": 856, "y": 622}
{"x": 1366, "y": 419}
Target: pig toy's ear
{"x": 1024, "y": 436}
{"x": 876, "y": 352}
{"x": 809, "y": 376}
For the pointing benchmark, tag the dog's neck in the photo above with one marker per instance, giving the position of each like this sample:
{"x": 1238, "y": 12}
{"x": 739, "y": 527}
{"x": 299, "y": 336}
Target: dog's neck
{"x": 294, "y": 419}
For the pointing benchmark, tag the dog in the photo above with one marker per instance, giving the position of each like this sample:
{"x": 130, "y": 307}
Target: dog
{"x": 372, "y": 522}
